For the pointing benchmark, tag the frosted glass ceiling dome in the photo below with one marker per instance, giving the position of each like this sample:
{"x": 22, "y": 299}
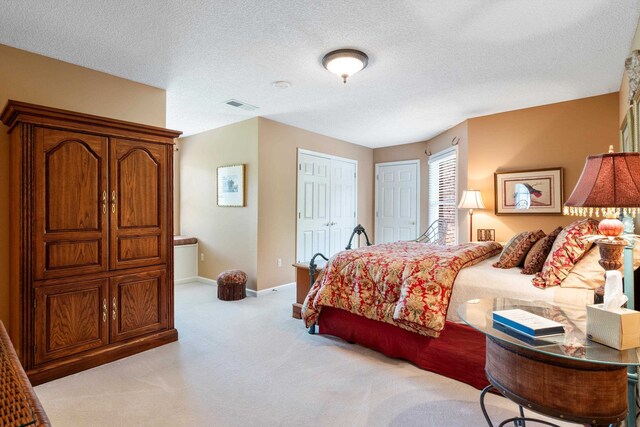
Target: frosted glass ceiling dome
{"x": 345, "y": 62}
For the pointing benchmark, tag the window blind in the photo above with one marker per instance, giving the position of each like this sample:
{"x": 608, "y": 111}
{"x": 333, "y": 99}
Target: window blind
{"x": 443, "y": 191}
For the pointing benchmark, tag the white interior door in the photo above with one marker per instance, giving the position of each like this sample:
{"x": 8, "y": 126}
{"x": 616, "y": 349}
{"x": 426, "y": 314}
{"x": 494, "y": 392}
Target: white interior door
{"x": 343, "y": 209}
{"x": 326, "y": 204}
{"x": 313, "y": 206}
{"x": 397, "y": 201}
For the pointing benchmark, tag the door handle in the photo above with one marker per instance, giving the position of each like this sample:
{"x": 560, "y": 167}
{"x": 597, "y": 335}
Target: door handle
{"x": 412, "y": 223}
{"x": 104, "y": 202}
{"x": 113, "y": 201}
{"x": 104, "y": 310}
{"x": 327, "y": 224}
{"x": 115, "y": 308}
{"x": 333, "y": 223}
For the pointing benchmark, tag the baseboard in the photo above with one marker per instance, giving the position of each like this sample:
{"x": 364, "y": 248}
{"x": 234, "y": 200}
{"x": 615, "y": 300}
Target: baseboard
{"x": 187, "y": 280}
{"x": 263, "y": 292}
{"x": 206, "y": 281}
{"x": 250, "y": 292}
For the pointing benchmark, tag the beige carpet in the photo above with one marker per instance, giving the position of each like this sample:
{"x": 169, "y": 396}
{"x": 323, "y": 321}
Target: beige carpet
{"x": 249, "y": 363}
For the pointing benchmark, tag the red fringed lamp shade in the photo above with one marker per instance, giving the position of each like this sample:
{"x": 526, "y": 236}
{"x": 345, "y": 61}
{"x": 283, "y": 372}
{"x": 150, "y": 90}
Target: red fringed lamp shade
{"x": 609, "y": 185}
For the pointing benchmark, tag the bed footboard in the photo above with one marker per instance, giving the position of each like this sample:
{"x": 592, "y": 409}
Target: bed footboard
{"x": 313, "y": 269}
{"x": 359, "y": 229}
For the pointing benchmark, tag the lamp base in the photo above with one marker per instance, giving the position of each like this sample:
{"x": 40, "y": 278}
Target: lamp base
{"x": 611, "y": 253}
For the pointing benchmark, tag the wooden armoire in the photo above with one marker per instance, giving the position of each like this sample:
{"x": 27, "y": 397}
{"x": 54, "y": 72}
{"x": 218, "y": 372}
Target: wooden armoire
{"x": 91, "y": 238}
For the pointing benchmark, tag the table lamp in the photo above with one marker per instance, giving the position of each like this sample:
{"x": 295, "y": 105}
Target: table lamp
{"x": 471, "y": 199}
{"x": 609, "y": 187}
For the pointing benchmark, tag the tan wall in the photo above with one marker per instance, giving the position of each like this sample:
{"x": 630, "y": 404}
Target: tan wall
{"x": 277, "y": 200}
{"x": 417, "y": 151}
{"x": 560, "y": 134}
{"x": 37, "y": 79}
{"x": 624, "y": 85}
{"x": 226, "y": 235}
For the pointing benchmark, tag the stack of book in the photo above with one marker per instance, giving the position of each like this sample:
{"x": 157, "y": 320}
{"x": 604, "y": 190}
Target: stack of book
{"x": 526, "y": 326}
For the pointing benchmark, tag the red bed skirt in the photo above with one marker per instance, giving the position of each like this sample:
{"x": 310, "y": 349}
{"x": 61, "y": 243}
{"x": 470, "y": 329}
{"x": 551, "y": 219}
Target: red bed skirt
{"x": 458, "y": 353}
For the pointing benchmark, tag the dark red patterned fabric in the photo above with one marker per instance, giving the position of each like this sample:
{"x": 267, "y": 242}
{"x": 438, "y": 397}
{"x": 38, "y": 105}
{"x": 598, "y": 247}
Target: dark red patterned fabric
{"x": 459, "y": 352}
{"x": 406, "y": 284}
{"x": 567, "y": 249}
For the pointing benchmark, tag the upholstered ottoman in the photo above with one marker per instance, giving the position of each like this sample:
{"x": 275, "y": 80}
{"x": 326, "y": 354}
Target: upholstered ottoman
{"x": 232, "y": 285}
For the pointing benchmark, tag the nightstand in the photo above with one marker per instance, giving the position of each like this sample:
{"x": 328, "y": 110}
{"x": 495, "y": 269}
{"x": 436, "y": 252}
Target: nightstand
{"x": 566, "y": 377}
{"x": 302, "y": 286}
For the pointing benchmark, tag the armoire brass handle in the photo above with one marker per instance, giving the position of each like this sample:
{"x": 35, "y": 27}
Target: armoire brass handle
{"x": 115, "y": 308}
{"x": 104, "y": 202}
{"x": 104, "y": 310}
{"x": 113, "y": 201}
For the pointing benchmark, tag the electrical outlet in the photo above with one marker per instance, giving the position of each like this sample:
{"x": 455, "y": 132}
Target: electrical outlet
{"x": 279, "y": 262}
{"x": 201, "y": 256}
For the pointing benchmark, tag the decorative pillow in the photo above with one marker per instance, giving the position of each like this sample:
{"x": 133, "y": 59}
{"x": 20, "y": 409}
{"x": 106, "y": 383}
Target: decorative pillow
{"x": 568, "y": 248}
{"x": 538, "y": 253}
{"x": 587, "y": 273}
{"x": 516, "y": 249}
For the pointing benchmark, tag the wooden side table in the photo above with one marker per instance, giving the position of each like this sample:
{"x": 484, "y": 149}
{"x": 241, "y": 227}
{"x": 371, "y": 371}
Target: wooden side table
{"x": 567, "y": 377}
{"x": 593, "y": 394}
{"x": 302, "y": 287}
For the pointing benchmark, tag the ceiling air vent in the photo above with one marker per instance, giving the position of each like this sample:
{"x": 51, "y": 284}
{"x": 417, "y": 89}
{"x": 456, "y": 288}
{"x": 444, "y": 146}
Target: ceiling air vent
{"x": 239, "y": 104}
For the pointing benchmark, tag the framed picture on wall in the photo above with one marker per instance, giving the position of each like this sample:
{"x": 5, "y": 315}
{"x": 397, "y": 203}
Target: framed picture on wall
{"x": 231, "y": 185}
{"x": 528, "y": 192}
{"x": 627, "y": 130}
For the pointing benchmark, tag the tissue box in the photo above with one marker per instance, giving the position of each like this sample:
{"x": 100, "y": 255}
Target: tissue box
{"x": 618, "y": 328}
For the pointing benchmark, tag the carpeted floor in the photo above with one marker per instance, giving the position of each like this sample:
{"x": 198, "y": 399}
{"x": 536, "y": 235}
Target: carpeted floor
{"x": 249, "y": 363}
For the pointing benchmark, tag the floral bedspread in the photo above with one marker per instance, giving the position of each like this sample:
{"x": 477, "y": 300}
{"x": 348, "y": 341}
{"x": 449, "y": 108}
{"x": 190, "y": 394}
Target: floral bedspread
{"x": 406, "y": 284}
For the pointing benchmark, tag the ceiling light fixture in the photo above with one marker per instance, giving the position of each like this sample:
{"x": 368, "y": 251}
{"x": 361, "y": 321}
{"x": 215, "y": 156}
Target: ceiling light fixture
{"x": 345, "y": 62}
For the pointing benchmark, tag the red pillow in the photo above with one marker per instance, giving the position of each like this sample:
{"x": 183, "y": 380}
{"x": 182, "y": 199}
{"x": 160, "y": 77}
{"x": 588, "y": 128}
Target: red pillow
{"x": 567, "y": 249}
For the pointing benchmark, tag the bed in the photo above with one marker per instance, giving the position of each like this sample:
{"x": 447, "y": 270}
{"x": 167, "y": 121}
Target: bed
{"x": 446, "y": 346}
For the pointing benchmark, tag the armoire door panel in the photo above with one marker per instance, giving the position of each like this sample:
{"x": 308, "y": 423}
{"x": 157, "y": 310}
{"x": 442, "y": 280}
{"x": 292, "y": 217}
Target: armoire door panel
{"x": 136, "y": 247}
{"x": 70, "y": 318}
{"x": 70, "y": 201}
{"x": 63, "y": 255}
{"x": 138, "y": 179}
{"x": 138, "y": 304}
{"x": 138, "y": 203}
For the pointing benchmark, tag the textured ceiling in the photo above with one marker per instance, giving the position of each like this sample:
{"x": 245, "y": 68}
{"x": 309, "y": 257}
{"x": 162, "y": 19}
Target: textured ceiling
{"x": 432, "y": 63}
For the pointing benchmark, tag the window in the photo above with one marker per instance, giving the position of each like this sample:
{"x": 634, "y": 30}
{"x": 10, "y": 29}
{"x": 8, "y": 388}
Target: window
{"x": 443, "y": 191}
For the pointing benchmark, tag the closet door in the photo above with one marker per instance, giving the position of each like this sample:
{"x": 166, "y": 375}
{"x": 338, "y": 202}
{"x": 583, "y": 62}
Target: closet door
{"x": 70, "y": 235}
{"x": 70, "y": 318}
{"x": 314, "y": 216}
{"x": 138, "y": 203}
{"x": 343, "y": 209}
{"x": 397, "y": 201}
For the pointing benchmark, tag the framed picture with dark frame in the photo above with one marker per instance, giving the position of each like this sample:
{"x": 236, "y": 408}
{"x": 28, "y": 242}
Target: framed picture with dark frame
{"x": 231, "y": 187}
{"x": 529, "y": 192}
